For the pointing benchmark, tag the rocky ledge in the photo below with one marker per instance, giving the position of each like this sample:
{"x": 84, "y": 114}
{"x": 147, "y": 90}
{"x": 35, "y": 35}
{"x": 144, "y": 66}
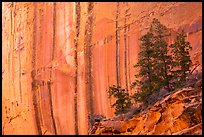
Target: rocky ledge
{"x": 179, "y": 113}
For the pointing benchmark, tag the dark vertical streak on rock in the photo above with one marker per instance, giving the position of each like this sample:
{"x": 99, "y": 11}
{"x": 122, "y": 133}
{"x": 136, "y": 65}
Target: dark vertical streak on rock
{"x": 88, "y": 61}
{"x": 19, "y": 74}
{"x": 77, "y": 13}
{"x": 117, "y": 46}
{"x": 12, "y": 51}
{"x": 9, "y": 56}
{"x": 39, "y": 91}
{"x": 33, "y": 73}
{"x": 129, "y": 59}
{"x": 107, "y": 91}
{"x": 49, "y": 83}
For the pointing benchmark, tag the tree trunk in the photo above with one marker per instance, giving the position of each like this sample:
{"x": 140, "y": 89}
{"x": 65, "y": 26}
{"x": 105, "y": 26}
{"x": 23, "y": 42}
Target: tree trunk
{"x": 117, "y": 46}
{"x": 125, "y": 51}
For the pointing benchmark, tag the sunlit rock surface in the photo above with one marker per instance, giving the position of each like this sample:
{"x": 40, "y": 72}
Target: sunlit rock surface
{"x": 38, "y": 59}
{"x": 179, "y": 113}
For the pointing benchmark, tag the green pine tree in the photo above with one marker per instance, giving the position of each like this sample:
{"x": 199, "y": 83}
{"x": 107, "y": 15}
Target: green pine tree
{"x": 181, "y": 59}
{"x": 161, "y": 53}
{"x": 154, "y": 63}
{"x": 146, "y": 64}
{"x": 158, "y": 67}
{"x": 123, "y": 101}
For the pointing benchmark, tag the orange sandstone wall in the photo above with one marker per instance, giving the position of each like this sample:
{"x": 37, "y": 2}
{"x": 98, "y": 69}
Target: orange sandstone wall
{"x": 38, "y": 64}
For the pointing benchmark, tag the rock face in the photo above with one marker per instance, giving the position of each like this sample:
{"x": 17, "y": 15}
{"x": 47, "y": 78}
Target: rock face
{"x": 179, "y": 113}
{"x": 59, "y": 59}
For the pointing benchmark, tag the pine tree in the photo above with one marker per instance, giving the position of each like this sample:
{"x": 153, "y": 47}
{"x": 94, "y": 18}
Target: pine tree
{"x": 154, "y": 63}
{"x": 181, "y": 59}
{"x": 123, "y": 102}
{"x": 157, "y": 67}
{"x": 146, "y": 64}
{"x": 161, "y": 53}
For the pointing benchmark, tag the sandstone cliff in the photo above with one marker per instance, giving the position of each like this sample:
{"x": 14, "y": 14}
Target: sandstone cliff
{"x": 59, "y": 59}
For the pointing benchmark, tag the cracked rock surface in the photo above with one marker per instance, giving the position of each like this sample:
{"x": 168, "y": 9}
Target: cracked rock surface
{"x": 179, "y": 113}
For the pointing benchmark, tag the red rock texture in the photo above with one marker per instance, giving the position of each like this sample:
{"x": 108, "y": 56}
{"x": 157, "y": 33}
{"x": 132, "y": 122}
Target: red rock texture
{"x": 38, "y": 64}
{"x": 179, "y": 113}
